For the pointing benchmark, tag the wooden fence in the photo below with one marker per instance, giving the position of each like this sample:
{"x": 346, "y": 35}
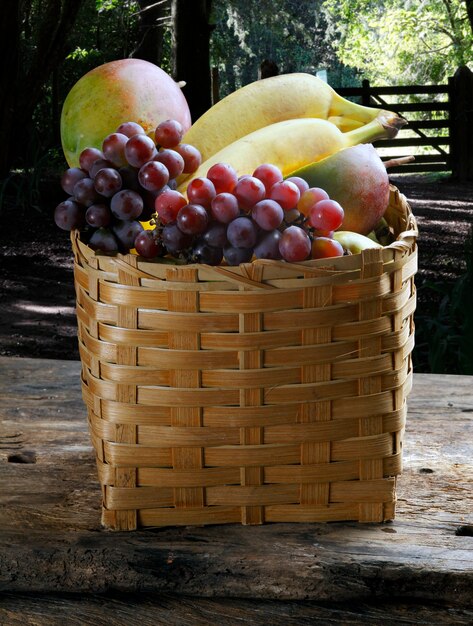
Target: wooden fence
{"x": 449, "y": 113}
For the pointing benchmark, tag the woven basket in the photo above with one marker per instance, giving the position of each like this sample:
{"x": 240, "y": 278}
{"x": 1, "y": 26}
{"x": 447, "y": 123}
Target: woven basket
{"x": 268, "y": 392}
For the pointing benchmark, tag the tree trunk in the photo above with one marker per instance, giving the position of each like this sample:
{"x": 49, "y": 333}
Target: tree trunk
{"x": 191, "y": 52}
{"x": 469, "y": 11}
{"x": 22, "y": 87}
{"x": 152, "y": 21}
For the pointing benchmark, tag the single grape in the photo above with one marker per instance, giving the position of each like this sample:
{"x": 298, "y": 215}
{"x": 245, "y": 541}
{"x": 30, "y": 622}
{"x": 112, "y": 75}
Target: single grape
{"x": 242, "y": 233}
{"x": 235, "y": 256}
{"x": 98, "y": 215}
{"x": 326, "y": 215}
{"x": 286, "y": 193}
{"x": 153, "y": 176}
{"x": 201, "y": 191}
{"x": 107, "y": 182}
{"x": 130, "y": 128}
{"x": 88, "y": 156}
{"x": 127, "y": 205}
{"x": 172, "y": 160}
{"x": 300, "y": 183}
{"x": 70, "y": 177}
{"x": 98, "y": 165}
{"x": 192, "y": 219}
{"x": 325, "y": 247}
{"x": 68, "y": 215}
{"x": 85, "y": 193}
{"x": 202, "y": 252}
{"x": 216, "y": 235}
{"x": 103, "y": 239}
{"x": 268, "y": 174}
{"x": 168, "y": 204}
{"x": 248, "y": 191}
{"x": 268, "y": 246}
{"x": 139, "y": 149}
{"x": 169, "y": 133}
{"x": 191, "y": 155}
{"x": 309, "y": 198}
{"x": 113, "y": 148}
{"x": 148, "y": 246}
{"x": 224, "y": 207}
{"x": 268, "y": 214}
{"x": 126, "y": 232}
{"x": 294, "y": 244}
{"x": 174, "y": 239}
{"x": 223, "y": 176}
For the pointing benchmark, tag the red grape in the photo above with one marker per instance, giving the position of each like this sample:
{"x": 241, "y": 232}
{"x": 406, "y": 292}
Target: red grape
{"x": 224, "y": 208}
{"x": 113, "y": 148}
{"x": 286, "y": 193}
{"x": 107, "y": 182}
{"x": 223, "y": 176}
{"x": 299, "y": 182}
{"x": 88, "y": 156}
{"x": 172, "y": 160}
{"x": 294, "y": 244}
{"x": 326, "y": 215}
{"x": 201, "y": 191}
{"x": 268, "y": 174}
{"x": 69, "y": 215}
{"x": 130, "y": 128}
{"x": 311, "y": 197}
{"x": 70, "y": 177}
{"x": 147, "y": 245}
{"x": 153, "y": 176}
{"x": 192, "y": 219}
{"x": 242, "y": 233}
{"x": 127, "y": 205}
{"x": 139, "y": 149}
{"x": 85, "y": 192}
{"x": 192, "y": 157}
{"x": 268, "y": 214}
{"x": 324, "y": 247}
{"x": 169, "y": 133}
{"x": 167, "y": 205}
{"x": 248, "y": 191}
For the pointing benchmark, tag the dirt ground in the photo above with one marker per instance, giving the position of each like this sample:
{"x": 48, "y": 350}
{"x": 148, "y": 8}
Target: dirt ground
{"x": 37, "y": 317}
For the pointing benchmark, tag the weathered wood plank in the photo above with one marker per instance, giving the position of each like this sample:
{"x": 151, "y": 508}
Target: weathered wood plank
{"x": 51, "y": 540}
{"x": 166, "y": 610}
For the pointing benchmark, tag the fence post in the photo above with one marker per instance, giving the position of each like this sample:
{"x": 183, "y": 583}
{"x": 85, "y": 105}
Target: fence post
{"x": 365, "y": 95}
{"x": 461, "y": 123}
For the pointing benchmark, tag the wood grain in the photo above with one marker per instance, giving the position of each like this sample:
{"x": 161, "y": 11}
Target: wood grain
{"x": 51, "y": 540}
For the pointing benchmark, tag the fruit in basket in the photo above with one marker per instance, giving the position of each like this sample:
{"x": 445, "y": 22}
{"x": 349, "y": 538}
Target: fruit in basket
{"x": 265, "y": 102}
{"x": 288, "y": 145}
{"x": 357, "y": 179}
{"x": 113, "y": 94}
{"x": 354, "y": 242}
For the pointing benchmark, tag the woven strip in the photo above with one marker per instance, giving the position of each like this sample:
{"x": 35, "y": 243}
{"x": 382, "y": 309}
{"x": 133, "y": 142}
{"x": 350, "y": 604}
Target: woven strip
{"x": 260, "y": 393}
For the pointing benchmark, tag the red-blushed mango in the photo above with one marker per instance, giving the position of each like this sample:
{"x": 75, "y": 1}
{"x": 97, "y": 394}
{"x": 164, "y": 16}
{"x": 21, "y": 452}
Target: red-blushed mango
{"x": 357, "y": 179}
{"x": 116, "y": 92}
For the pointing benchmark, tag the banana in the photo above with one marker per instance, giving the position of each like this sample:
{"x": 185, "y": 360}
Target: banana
{"x": 272, "y": 100}
{"x": 354, "y": 242}
{"x": 292, "y": 144}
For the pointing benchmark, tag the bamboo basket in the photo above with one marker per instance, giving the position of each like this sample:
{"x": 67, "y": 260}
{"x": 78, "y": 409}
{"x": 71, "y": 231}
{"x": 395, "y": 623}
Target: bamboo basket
{"x": 268, "y": 392}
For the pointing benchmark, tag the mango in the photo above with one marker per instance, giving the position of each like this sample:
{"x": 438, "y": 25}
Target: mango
{"x": 356, "y": 178}
{"x": 127, "y": 90}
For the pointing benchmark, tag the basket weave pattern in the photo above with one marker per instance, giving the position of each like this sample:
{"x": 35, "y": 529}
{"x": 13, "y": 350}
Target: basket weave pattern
{"x": 268, "y": 392}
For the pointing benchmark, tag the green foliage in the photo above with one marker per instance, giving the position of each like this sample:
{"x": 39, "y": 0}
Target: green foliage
{"x": 295, "y": 35}
{"x": 402, "y": 41}
{"x": 447, "y": 338}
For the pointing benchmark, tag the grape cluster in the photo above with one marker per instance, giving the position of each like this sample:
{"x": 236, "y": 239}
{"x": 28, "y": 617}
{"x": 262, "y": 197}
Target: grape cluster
{"x": 231, "y": 219}
{"x": 224, "y": 218}
{"x": 115, "y": 189}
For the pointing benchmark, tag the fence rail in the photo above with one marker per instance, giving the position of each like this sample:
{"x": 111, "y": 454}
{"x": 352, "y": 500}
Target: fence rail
{"x": 413, "y": 137}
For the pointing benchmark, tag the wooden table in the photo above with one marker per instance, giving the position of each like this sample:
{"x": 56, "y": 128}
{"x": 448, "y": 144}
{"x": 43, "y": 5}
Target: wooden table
{"x": 57, "y": 565}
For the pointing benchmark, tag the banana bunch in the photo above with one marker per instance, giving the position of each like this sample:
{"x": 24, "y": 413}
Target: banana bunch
{"x": 289, "y": 120}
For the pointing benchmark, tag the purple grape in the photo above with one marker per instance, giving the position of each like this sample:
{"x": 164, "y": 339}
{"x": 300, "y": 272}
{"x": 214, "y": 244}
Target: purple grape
{"x": 268, "y": 214}
{"x": 127, "y": 205}
{"x": 113, "y": 148}
{"x": 103, "y": 239}
{"x": 126, "y": 232}
{"x": 224, "y": 207}
{"x": 202, "y": 252}
{"x": 148, "y": 246}
{"x": 235, "y": 256}
{"x": 98, "y": 215}
{"x": 242, "y": 233}
{"x": 172, "y": 160}
{"x": 98, "y": 165}
{"x": 70, "y": 177}
{"x": 130, "y": 128}
{"x": 174, "y": 239}
{"x": 68, "y": 215}
{"x": 216, "y": 235}
{"x": 107, "y": 182}
{"x": 88, "y": 156}
{"x": 153, "y": 176}
{"x": 192, "y": 219}
{"x": 139, "y": 150}
{"x": 85, "y": 192}
{"x": 268, "y": 245}
{"x": 130, "y": 178}
{"x": 294, "y": 244}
